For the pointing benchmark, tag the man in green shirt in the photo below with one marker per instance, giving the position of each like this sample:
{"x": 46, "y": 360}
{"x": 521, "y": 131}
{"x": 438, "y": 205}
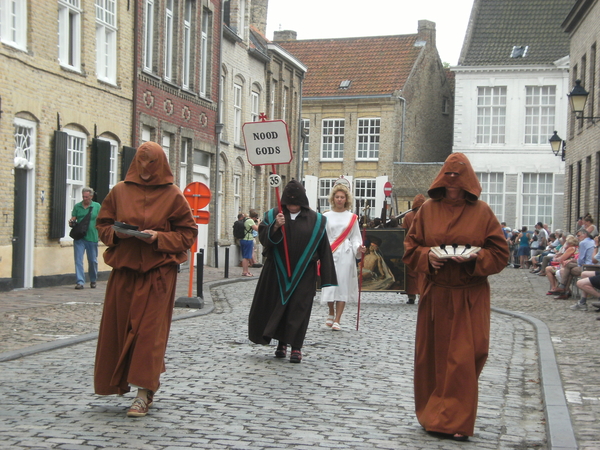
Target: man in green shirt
{"x": 89, "y": 243}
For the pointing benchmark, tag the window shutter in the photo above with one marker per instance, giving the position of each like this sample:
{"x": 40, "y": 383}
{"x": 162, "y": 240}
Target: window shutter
{"x": 100, "y": 168}
{"x": 59, "y": 186}
{"x": 126, "y": 158}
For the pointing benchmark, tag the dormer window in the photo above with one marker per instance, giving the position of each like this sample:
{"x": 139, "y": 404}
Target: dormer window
{"x": 345, "y": 84}
{"x": 519, "y": 51}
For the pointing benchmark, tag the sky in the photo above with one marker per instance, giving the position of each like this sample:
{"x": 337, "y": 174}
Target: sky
{"x": 320, "y": 19}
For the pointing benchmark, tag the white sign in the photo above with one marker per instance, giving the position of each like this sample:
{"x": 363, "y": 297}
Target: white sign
{"x": 274, "y": 180}
{"x": 267, "y": 142}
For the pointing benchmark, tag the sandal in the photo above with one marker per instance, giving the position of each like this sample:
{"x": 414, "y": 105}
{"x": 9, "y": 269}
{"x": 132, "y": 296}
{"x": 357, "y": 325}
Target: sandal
{"x": 296, "y": 356}
{"x": 460, "y": 437}
{"x": 281, "y": 351}
{"x": 336, "y": 326}
{"x": 139, "y": 408}
{"x": 329, "y": 321}
{"x": 247, "y": 274}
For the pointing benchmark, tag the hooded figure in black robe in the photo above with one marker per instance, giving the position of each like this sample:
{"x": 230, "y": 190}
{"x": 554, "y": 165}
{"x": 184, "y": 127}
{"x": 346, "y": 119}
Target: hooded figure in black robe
{"x": 282, "y": 305}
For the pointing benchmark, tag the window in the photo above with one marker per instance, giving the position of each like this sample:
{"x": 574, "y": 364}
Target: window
{"x": 445, "y": 105}
{"x": 168, "y": 40}
{"x": 204, "y": 55}
{"x": 24, "y": 144}
{"x": 237, "y": 114}
{"x": 364, "y": 192}
{"x": 187, "y": 44}
{"x": 491, "y": 115}
{"x": 106, "y": 40}
{"x": 284, "y": 103}
{"x": 540, "y": 104}
{"x": 69, "y": 34}
{"x": 537, "y": 198}
{"x": 13, "y": 23}
{"x": 368, "y": 139}
{"x": 492, "y": 192}
{"x": 147, "y": 133}
{"x": 325, "y": 185}
{"x": 186, "y": 146}
{"x": 241, "y": 18}
{"x": 166, "y": 143}
{"x": 149, "y": 35}
{"x": 306, "y": 136}
{"x": 273, "y": 98}
{"x": 333, "y": 139}
{"x": 255, "y": 113}
{"x": 76, "y": 145}
{"x": 236, "y": 194}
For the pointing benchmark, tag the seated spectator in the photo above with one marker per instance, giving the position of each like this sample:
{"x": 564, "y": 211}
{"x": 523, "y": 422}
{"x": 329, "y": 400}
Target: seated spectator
{"x": 589, "y": 282}
{"x": 537, "y": 244}
{"x": 536, "y": 260}
{"x": 588, "y": 224}
{"x": 566, "y": 255}
{"x": 523, "y": 240}
{"x": 574, "y": 268}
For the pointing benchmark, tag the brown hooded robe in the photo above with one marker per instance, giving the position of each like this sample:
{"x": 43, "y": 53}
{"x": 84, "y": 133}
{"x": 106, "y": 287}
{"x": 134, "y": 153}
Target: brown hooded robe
{"x": 282, "y": 305}
{"x": 140, "y": 293}
{"x": 453, "y": 323}
{"x": 413, "y": 279}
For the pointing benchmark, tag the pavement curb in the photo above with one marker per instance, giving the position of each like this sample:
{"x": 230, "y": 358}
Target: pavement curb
{"x": 559, "y": 427}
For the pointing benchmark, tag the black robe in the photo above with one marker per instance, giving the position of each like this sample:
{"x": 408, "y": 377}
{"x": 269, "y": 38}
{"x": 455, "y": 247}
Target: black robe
{"x": 282, "y": 305}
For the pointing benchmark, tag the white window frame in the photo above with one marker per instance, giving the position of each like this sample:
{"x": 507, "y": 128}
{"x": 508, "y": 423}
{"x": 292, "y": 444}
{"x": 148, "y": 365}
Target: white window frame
{"x": 237, "y": 113}
{"x": 76, "y": 173}
{"x": 365, "y": 191}
{"x": 146, "y": 133}
{"x": 237, "y": 187}
{"x": 492, "y": 192}
{"x": 242, "y": 18}
{"x": 187, "y": 44}
{"x": 114, "y": 161}
{"x": 332, "y": 141}
{"x": 255, "y": 106}
{"x": 106, "y": 40}
{"x": 306, "y": 130}
{"x": 368, "y": 137}
{"x": 540, "y": 113}
{"x": 69, "y": 34}
{"x": 148, "y": 35}
{"x": 273, "y": 96}
{"x": 323, "y": 191}
{"x": 491, "y": 114}
{"x": 186, "y": 146}
{"x": 168, "y": 66}
{"x": 13, "y": 23}
{"x": 166, "y": 142}
{"x": 537, "y": 198}
{"x": 204, "y": 52}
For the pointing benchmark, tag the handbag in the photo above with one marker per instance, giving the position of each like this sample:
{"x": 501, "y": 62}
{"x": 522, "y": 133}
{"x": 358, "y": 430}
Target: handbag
{"x": 80, "y": 229}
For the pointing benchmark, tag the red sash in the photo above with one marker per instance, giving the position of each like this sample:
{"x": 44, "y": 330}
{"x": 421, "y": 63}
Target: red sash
{"x": 341, "y": 238}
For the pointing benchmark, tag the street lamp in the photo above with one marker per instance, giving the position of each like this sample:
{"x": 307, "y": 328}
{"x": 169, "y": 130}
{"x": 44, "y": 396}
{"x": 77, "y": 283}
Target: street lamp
{"x": 558, "y": 145}
{"x": 577, "y": 99}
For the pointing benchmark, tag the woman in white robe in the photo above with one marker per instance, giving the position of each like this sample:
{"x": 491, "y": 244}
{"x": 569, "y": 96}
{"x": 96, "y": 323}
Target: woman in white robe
{"x": 346, "y": 243}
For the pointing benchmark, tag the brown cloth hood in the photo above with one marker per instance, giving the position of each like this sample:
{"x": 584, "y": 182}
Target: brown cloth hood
{"x": 467, "y": 179}
{"x": 157, "y": 167}
{"x": 418, "y": 201}
{"x": 295, "y": 194}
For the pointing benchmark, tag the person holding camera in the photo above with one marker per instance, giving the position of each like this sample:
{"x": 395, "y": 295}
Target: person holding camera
{"x": 89, "y": 243}
{"x": 247, "y": 242}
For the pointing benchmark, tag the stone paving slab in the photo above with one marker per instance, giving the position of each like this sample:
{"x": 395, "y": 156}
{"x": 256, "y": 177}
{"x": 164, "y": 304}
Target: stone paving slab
{"x": 353, "y": 389}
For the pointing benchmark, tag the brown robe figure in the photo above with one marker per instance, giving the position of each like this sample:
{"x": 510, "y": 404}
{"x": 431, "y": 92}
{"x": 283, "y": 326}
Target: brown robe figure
{"x": 413, "y": 279}
{"x": 140, "y": 293}
{"x": 453, "y": 323}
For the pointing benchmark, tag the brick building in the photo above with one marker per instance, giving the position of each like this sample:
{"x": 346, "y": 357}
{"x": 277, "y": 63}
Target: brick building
{"x": 66, "y": 90}
{"x": 370, "y": 105}
{"x": 177, "y": 88}
{"x": 582, "y": 187}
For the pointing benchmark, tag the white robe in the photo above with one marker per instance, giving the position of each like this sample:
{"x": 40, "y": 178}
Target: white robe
{"x": 344, "y": 258}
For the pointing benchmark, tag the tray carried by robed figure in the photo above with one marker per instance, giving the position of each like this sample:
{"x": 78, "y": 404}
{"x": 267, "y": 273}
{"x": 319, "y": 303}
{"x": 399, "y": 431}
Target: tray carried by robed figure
{"x": 125, "y": 228}
{"x": 449, "y": 251}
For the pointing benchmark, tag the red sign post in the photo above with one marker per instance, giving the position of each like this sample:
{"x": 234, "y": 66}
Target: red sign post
{"x": 198, "y": 196}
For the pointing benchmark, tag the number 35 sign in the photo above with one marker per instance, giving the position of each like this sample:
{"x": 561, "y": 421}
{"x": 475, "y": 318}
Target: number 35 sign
{"x": 267, "y": 142}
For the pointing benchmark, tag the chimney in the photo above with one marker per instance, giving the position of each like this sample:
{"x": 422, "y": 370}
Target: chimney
{"x": 284, "y": 35}
{"x": 258, "y": 16}
{"x": 427, "y": 32}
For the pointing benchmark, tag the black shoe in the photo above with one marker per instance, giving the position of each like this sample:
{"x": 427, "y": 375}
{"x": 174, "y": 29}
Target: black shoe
{"x": 296, "y": 356}
{"x": 79, "y": 286}
{"x": 281, "y": 351}
{"x": 257, "y": 265}
{"x": 93, "y": 285}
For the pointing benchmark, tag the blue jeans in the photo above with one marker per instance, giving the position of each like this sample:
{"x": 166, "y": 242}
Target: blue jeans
{"x": 91, "y": 248}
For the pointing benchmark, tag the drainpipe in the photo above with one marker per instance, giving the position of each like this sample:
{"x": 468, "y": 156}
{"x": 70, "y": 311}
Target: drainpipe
{"x": 218, "y": 130}
{"x": 135, "y": 78}
{"x": 402, "y": 132}
{"x": 300, "y": 169}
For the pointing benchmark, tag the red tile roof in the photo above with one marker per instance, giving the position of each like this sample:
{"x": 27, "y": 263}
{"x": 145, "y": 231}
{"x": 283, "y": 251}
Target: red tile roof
{"x": 376, "y": 65}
